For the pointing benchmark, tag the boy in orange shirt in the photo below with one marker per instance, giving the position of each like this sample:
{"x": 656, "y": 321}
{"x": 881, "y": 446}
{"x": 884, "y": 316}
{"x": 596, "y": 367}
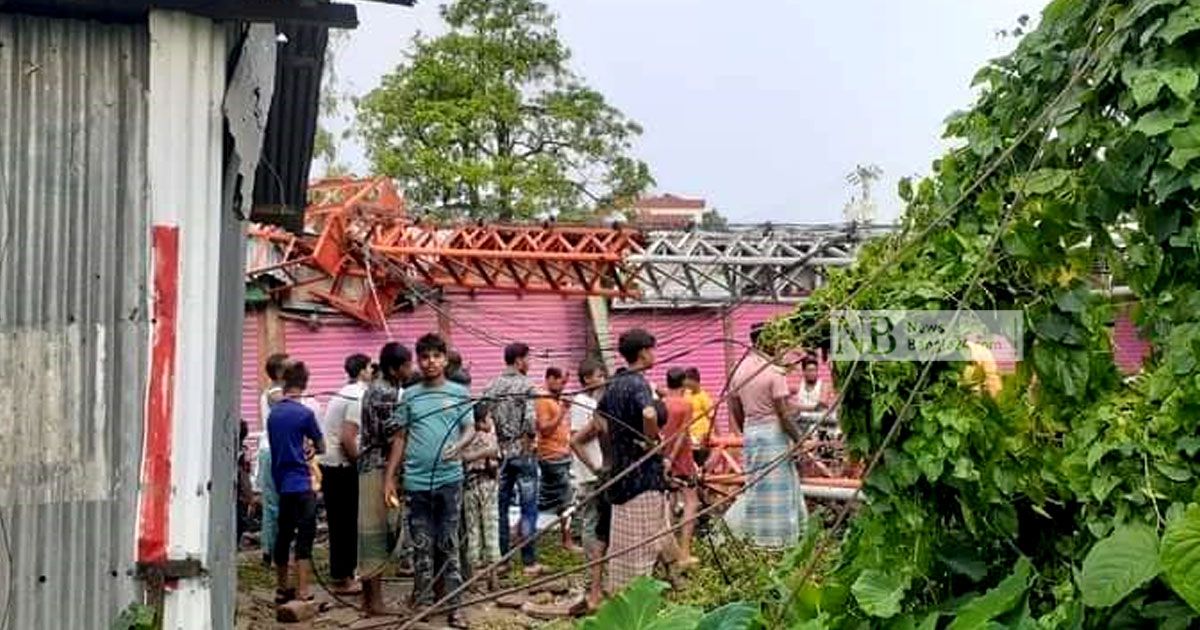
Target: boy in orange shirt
{"x": 554, "y": 451}
{"x": 681, "y": 465}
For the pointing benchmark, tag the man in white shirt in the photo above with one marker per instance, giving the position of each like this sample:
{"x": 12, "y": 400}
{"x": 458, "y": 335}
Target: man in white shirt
{"x": 339, "y": 473}
{"x": 586, "y": 467}
{"x": 272, "y": 394}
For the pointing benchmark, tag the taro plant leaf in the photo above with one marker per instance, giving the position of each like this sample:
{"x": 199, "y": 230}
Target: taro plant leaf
{"x": 676, "y": 618}
{"x": 879, "y": 594}
{"x": 732, "y": 616}
{"x": 1118, "y": 565}
{"x": 997, "y": 601}
{"x": 638, "y": 607}
{"x": 1180, "y": 555}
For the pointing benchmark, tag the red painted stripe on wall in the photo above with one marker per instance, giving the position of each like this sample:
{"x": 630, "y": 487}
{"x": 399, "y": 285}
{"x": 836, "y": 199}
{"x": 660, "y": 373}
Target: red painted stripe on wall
{"x": 160, "y": 400}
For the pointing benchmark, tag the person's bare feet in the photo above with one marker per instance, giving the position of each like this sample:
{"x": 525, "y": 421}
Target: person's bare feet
{"x": 593, "y": 602}
{"x": 346, "y": 587}
{"x": 571, "y": 547}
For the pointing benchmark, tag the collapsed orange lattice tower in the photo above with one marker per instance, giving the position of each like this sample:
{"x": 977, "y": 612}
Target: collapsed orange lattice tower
{"x": 361, "y": 251}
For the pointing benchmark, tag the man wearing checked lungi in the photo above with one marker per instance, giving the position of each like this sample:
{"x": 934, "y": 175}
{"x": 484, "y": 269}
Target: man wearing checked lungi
{"x": 775, "y": 510}
{"x": 639, "y": 499}
{"x": 378, "y": 462}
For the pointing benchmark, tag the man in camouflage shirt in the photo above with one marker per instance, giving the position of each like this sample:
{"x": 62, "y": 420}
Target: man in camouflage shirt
{"x": 512, "y": 395}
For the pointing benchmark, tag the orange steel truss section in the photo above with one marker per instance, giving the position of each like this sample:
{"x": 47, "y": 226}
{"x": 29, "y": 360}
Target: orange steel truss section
{"x": 352, "y": 226}
{"x": 563, "y": 260}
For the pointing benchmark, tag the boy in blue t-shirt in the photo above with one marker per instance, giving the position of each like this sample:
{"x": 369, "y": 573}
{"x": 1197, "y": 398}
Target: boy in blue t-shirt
{"x": 289, "y": 425}
{"x": 435, "y": 423}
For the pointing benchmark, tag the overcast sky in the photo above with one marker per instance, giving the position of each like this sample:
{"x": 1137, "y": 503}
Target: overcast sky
{"x": 760, "y": 107}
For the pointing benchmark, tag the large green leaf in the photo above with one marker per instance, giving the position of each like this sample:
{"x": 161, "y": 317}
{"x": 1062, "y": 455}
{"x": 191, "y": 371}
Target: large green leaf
{"x": 1118, "y": 565}
{"x": 676, "y": 618}
{"x": 997, "y": 601}
{"x": 1159, "y": 121}
{"x": 879, "y": 594}
{"x": 1180, "y": 555}
{"x": 1062, "y": 368}
{"x": 1146, "y": 83}
{"x": 1045, "y": 180}
{"x": 1186, "y": 137}
{"x": 635, "y": 607}
{"x": 1183, "y": 20}
{"x": 1180, "y": 158}
{"x": 733, "y": 616}
{"x": 1181, "y": 80}
{"x": 1143, "y": 7}
{"x": 1060, "y": 329}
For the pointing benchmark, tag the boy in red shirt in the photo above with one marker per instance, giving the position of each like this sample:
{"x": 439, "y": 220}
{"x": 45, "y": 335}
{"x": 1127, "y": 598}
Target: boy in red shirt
{"x": 681, "y": 464}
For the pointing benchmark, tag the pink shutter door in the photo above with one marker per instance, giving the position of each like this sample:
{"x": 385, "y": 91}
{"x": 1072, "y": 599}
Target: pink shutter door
{"x": 686, "y": 338}
{"x": 324, "y": 349}
{"x": 554, "y": 327}
{"x": 251, "y": 371}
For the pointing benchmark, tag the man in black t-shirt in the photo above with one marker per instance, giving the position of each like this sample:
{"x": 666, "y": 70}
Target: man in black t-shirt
{"x": 639, "y": 502}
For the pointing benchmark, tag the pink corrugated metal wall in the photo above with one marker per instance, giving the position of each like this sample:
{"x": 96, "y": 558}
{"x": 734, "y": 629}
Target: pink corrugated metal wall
{"x": 251, "y": 368}
{"x": 554, "y": 327}
{"x": 696, "y": 338}
{"x": 1129, "y": 349}
{"x": 325, "y": 349}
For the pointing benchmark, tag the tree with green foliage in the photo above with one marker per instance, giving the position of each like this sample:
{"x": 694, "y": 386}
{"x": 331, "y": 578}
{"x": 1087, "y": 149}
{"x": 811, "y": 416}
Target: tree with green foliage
{"x": 489, "y": 121}
{"x": 1070, "y": 500}
{"x": 714, "y": 221}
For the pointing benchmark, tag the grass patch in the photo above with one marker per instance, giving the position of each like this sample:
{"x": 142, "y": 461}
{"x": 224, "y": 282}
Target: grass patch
{"x": 552, "y": 556}
{"x": 253, "y": 575}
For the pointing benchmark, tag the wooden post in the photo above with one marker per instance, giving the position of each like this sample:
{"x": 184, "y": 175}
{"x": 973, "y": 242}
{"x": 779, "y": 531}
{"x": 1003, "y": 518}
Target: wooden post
{"x": 271, "y": 337}
{"x": 600, "y": 334}
{"x": 445, "y": 324}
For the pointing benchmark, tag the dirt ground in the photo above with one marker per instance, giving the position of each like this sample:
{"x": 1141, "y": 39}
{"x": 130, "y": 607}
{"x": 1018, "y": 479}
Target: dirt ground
{"x": 256, "y": 589}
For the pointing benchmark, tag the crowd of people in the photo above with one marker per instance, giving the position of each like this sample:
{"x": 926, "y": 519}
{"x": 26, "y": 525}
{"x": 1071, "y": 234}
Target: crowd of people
{"x": 408, "y": 439}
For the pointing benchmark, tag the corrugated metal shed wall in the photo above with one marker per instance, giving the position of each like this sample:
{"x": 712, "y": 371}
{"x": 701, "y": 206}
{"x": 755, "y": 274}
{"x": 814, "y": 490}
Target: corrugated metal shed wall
{"x": 73, "y": 224}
